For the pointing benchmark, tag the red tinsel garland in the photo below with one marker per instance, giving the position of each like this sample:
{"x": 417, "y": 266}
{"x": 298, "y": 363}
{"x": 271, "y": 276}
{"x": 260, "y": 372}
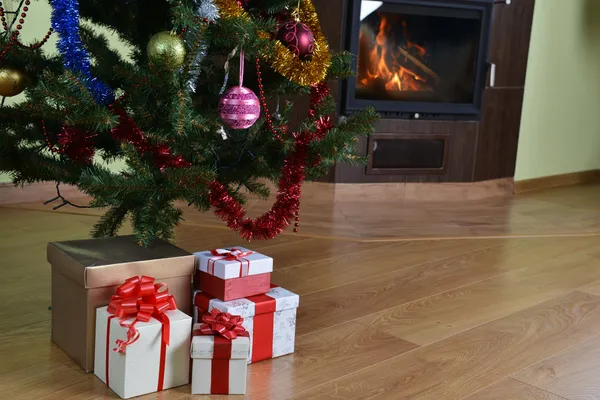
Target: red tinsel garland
{"x": 287, "y": 203}
{"x": 128, "y": 131}
{"x": 318, "y": 92}
{"x": 72, "y": 143}
{"x": 80, "y": 148}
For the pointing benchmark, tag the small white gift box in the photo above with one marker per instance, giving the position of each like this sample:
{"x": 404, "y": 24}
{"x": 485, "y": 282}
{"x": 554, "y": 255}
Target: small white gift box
{"x": 148, "y": 364}
{"x": 269, "y": 318}
{"x": 237, "y": 262}
{"x": 219, "y": 365}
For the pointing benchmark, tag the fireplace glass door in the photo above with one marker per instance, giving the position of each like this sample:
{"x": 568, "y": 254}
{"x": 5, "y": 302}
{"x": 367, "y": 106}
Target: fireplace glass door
{"x": 421, "y": 52}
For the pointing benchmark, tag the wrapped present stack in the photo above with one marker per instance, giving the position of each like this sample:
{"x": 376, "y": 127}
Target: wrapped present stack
{"x": 143, "y": 342}
{"x": 233, "y": 287}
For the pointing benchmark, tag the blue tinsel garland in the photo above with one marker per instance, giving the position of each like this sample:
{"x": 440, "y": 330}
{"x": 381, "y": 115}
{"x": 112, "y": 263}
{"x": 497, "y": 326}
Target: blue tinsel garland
{"x": 65, "y": 21}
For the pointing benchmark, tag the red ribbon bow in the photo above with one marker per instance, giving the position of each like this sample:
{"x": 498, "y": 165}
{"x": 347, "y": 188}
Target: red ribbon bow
{"x": 230, "y": 255}
{"x": 222, "y": 323}
{"x": 235, "y": 254}
{"x": 142, "y": 299}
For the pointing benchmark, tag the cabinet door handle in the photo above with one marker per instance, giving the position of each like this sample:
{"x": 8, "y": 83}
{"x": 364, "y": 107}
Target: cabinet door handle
{"x": 492, "y": 74}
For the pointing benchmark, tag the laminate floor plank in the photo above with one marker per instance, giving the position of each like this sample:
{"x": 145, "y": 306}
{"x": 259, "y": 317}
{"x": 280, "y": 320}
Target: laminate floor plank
{"x": 434, "y": 318}
{"x": 470, "y": 361}
{"x": 346, "y": 268}
{"x": 510, "y": 389}
{"x": 572, "y": 374}
{"x": 321, "y": 357}
{"x": 339, "y": 304}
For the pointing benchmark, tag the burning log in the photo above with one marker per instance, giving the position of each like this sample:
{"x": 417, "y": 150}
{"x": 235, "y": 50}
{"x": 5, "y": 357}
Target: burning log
{"x": 419, "y": 64}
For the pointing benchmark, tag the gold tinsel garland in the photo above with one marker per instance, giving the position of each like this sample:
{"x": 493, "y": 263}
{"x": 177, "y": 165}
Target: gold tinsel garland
{"x": 286, "y": 62}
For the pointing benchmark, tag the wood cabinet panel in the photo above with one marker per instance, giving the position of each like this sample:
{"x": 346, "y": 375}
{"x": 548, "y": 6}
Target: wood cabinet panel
{"x": 499, "y": 134}
{"x": 509, "y": 45}
{"x": 461, "y": 153}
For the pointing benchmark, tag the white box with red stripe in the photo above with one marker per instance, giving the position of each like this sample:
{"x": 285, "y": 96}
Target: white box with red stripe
{"x": 270, "y": 319}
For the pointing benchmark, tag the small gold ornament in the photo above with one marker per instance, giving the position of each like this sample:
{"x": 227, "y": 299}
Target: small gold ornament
{"x": 12, "y": 82}
{"x": 166, "y": 47}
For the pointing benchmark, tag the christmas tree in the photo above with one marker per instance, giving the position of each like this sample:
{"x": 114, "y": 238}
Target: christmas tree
{"x": 202, "y": 110}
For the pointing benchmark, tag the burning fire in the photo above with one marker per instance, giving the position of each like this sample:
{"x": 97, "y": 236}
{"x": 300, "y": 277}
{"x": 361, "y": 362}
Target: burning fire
{"x": 397, "y": 68}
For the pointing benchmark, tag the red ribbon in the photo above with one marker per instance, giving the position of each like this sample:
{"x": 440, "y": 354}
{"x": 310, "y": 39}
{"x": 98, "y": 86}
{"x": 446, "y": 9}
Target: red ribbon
{"x": 262, "y": 337}
{"x": 225, "y": 327}
{"x": 141, "y": 298}
{"x": 235, "y": 254}
{"x": 262, "y": 343}
{"x": 221, "y": 323}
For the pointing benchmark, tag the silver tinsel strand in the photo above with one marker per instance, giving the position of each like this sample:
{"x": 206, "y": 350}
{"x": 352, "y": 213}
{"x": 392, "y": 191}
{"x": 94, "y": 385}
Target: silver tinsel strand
{"x": 204, "y": 9}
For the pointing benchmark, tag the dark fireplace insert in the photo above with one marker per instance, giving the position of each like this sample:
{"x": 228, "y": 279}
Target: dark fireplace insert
{"x": 418, "y": 58}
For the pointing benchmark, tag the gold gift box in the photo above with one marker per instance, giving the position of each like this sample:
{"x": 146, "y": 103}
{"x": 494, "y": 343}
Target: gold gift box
{"x": 86, "y": 273}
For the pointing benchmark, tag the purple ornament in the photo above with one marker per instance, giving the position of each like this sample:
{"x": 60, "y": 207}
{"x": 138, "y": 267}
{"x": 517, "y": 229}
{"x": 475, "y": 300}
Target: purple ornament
{"x": 239, "y": 108}
{"x": 297, "y": 37}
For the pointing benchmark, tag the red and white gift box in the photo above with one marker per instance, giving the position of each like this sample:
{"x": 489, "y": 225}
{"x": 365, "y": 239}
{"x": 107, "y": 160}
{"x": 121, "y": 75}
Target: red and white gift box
{"x": 230, "y": 274}
{"x": 269, "y": 318}
{"x": 219, "y": 355}
{"x": 142, "y": 340}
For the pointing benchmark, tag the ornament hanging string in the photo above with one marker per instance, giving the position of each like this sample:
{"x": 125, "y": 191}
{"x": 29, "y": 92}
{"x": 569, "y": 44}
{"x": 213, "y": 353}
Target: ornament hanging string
{"x": 241, "y": 67}
{"x": 226, "y": 79}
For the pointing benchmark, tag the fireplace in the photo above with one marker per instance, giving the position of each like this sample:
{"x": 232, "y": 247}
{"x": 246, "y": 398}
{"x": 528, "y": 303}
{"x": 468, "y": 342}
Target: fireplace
{"x": 418, "y": 58}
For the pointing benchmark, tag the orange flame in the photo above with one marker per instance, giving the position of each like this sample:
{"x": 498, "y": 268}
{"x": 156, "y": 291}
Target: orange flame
{"x": 390, "y": 67}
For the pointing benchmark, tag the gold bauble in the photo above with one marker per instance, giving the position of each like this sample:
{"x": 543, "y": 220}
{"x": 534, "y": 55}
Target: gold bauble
{"x": 166, "y": 47}
{"x": 12, "y": 81}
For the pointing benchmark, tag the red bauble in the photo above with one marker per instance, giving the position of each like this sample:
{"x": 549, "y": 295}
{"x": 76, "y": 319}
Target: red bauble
{"x": 239, "y": 108}
{"x": 297, "y": 37}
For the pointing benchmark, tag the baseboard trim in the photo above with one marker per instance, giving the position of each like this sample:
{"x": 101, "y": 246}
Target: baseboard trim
{"x": 556, "y": 181}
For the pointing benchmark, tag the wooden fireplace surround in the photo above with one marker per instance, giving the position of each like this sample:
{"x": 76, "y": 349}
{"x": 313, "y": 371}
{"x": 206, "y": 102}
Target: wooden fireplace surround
{"x": 478, "y": 150}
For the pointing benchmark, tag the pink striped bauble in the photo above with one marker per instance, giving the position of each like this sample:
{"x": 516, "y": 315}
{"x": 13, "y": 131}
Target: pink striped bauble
{"x": 239, "y": 108}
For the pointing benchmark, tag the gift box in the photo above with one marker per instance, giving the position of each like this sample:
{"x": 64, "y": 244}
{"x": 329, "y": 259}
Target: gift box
{"x": 219, "y": 354}
{"x": 235, "y": 273}
{"x": 142, "y": 340}
{"x": 85, "y": 273}
{"x": 270, "y": 319}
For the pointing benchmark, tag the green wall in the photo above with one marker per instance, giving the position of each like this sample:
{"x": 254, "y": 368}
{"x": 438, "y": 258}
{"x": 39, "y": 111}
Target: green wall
{"x": 35, "y": 27}
{"x": 560, "y": 128}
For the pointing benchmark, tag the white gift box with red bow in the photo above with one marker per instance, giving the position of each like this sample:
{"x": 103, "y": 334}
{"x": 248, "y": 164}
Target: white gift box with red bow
{"x": 237, "y": 262}
{"x": 140, "y": 369}
{"x": 142, "y": 340}
{"x": 219, "y": 351}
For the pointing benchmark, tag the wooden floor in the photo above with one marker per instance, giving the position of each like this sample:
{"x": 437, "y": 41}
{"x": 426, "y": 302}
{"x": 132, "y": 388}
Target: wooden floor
{"x": 559, "y": 212}
{"x": 509, "y": 308}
